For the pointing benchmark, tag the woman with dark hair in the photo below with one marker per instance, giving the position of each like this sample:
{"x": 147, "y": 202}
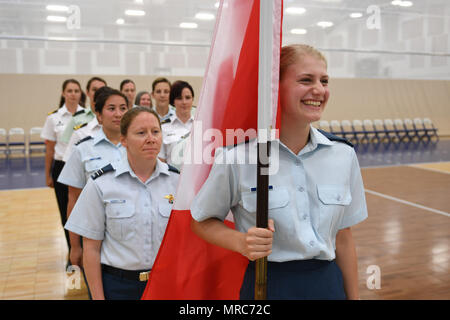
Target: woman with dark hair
{"x": 123, "y": 210}
{"x": 93, "y": 153}
{"x": 52, "y": 131}
{"x": 180, "y": 124}
{"x": 143, "y": 99}
{"x": 160, "y": 92}
{"x": 128, "y": 88}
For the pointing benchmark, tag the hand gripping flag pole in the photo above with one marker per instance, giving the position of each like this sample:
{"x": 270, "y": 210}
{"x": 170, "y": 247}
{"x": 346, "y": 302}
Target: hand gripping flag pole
{"x": 265, "y": 70}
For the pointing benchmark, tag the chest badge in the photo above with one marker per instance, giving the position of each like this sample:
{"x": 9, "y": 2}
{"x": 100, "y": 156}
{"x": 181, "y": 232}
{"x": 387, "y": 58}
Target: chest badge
{"x": 170, "y": 197}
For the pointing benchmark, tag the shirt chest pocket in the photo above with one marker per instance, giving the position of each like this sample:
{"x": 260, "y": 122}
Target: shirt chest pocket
{"x": 277, "y": 199}
{"x": 120, "y": 220}
{"x": 332, "y": 204}
{"x": 93, "y": 164}
{"x": 164, "y": 210}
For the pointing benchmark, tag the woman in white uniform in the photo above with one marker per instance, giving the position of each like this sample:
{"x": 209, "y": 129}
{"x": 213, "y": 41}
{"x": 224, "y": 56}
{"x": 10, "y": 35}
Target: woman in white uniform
{"x": 314, "y": 198}
{"x": 123, "y": 211}
{"x": 93, "y": 153}
{"x": 55, "y": 124}
{"x": 180, "y": 124}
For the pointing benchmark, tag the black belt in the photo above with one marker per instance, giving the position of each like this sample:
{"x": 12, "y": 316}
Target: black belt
{"x": 135, "y": 275}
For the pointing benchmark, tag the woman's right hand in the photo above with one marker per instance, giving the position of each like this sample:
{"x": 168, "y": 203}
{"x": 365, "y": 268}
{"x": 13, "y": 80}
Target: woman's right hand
{"x": 76, "y": 256}
{"x": 49, "y": 181}
{"x": 257, "y": 242}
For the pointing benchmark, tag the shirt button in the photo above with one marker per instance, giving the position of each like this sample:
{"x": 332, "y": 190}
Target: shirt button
{"x": 298, "y": 163}
{"x": 311, "y": 243}
{"x": 301, "y": 189}
{"x": 305, "y": 216}
{"x": 338, "y": 198}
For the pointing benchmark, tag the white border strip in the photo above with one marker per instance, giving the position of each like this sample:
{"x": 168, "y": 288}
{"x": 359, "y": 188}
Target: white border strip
{"x": 408, "y": 203}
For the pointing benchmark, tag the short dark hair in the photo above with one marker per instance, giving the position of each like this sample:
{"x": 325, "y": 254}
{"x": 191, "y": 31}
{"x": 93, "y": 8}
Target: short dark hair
{"x": 124, "y": 82}
{"x": 132, "y": 113}
{"x": 177, "y": 89}
{"x": 88, "y": 86}
{"x": 159, "y": 80}
{"x": 102, "y": 94}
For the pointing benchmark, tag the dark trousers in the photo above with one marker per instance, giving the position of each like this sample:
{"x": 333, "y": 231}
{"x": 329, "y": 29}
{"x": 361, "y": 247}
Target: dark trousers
{"x": 297, "y": 280}
{"x": 62, "y": 195}
{"x": 117, "y": 288}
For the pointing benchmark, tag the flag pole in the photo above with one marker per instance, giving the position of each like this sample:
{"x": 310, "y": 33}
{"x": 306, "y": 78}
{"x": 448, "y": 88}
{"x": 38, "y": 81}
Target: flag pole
{"x": 264, "y": 133}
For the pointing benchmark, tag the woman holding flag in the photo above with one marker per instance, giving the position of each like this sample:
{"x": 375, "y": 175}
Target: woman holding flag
{"x": 314, "y": 198}
{"x": 123, "y": 211}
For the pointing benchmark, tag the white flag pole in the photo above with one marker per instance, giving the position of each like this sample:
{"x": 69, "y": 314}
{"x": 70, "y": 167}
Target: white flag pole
{"x": 264, "y": 129}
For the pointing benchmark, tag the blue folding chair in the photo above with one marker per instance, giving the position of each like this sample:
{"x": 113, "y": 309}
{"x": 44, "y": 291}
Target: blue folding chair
{"x": 430, "y": 130}
{"x": 348, "y": 132}
{"x": 380, "y": 131}
{"x": 3, "y": 141}
{"x": 401, "y": 130}
{"x": 360, "y": 132}
{"x": 16, "y": 140}
{"x": 35, "y": 142}
{"x": 390, "y": 130}
{"x": 335, "y": 128}
{"x": 410, "y": 130}
{"x": 369, "y": 128}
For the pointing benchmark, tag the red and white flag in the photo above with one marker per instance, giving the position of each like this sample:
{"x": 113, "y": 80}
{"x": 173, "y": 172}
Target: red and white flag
{"x": 187, "y": 267}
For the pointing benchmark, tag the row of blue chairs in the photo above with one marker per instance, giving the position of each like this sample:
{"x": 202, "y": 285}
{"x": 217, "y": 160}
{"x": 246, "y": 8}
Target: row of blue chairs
{"x": 16, "y": 140}
{"x": 383, "y": 131}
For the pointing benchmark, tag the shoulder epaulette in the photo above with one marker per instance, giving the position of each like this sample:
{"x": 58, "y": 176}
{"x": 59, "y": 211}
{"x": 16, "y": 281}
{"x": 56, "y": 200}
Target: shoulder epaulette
{"x": 332, "y": 137}
{"x": 103, "y": 170}
{"x": 186, "y": 135}
{"x": 173, "y": 169}
{"x": 165, "y": 121}
{"x": 52, "y": 112}
{"x": 80, "y": 126}
{"x": 77, "y": 113}
{"x": 83, "y": 140}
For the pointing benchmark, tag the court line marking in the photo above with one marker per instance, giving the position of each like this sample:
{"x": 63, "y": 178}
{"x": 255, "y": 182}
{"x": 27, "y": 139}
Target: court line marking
{"x": 407, "y": 202}
{"x": 429, "y": 169}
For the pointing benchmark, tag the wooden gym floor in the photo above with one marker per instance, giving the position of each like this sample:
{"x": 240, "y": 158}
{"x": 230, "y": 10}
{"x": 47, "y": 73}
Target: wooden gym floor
{"x": 406, "y": 238}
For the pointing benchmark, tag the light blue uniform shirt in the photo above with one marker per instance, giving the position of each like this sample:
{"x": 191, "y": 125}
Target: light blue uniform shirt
{"x": 128, "y": 215}
{"x": 88, "y": 157}
{"x": 313, "y": 195}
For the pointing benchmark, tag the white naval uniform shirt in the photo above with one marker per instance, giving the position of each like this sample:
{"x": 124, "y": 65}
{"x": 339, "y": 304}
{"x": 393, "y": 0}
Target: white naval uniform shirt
{"x": 90, "y": 129}
{"x": 129, "y": 216}
{"x": 54, "y": 127}
{"x": 313, "y": 195}
{"x": 173, "y": 132}
{"x": 88, "y": 157}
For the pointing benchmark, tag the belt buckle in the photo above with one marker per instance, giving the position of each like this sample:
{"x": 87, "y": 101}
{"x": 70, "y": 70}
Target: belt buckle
{"x": 143, "y": 276}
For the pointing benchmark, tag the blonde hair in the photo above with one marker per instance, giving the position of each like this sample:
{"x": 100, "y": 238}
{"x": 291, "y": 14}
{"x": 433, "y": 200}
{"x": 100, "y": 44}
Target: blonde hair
{"x": 292, "y": 53}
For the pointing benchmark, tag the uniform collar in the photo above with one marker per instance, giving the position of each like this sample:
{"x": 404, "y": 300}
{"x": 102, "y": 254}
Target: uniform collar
{"x": 174, "y": 118}
{"x": 123, "y": 166}
{"x": 101, "y": 136}
{"x": 315, "y": 138}
{"x": 168, "y": 115}
{"x": 318, "y": 138}
{"x": 64, "y": 110}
